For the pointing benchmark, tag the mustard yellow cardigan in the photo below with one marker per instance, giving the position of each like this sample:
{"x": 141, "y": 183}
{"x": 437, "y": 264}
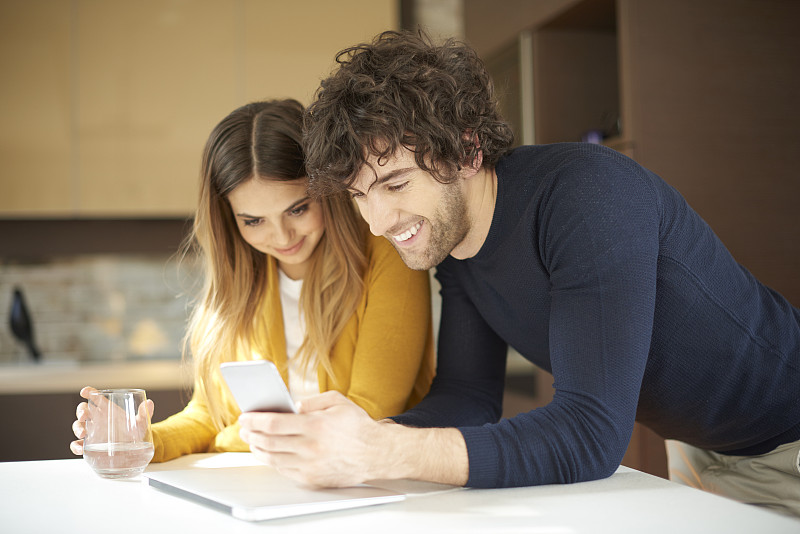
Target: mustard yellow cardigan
{"x": 383, "y": 361}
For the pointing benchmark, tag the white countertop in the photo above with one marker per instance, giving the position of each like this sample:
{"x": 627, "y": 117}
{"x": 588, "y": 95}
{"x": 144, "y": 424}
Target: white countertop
{"x": 65, "y": 496}
{"x": 70, "y": 377}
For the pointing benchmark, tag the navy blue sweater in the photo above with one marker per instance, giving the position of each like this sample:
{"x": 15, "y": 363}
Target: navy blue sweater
{"x": 598, "y": 271}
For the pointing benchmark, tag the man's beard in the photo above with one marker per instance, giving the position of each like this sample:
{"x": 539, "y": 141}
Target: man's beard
{"x": 446, "y": 230}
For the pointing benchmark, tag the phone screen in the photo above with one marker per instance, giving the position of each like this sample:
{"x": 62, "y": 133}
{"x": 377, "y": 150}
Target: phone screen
{"x": 257, "y": 386}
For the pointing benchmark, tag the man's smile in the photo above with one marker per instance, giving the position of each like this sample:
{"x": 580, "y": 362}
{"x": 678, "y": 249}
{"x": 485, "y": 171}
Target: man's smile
{"x": 408, "y": 234}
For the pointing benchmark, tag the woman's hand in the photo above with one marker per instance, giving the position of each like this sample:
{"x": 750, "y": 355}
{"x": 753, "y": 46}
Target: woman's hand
{"x": 79, "y": 425}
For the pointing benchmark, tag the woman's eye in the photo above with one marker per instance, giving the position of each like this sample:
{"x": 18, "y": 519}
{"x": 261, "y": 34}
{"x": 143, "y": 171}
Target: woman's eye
{"x": 397, "y": 187}
{"x": 299, "y": 210}
{"x": 252, "y": 222}
{"x": 356, "y": 194}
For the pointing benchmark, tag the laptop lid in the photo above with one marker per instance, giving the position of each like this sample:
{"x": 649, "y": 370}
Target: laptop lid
{"x": 257, "y": 493}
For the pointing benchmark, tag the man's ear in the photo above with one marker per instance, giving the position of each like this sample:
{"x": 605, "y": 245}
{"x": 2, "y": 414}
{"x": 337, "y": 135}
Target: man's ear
{"x": 472, "y": 167}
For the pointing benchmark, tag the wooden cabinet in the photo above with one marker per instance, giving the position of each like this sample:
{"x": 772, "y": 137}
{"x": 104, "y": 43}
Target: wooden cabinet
{"x": 152, "y": 79}
{"x": 107, "y": 105}
{"x": 35, "y": 129}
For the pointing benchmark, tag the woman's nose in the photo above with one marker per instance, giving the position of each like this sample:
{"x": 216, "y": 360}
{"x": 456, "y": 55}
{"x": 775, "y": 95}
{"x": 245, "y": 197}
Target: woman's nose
{"x": 282, "y": 234}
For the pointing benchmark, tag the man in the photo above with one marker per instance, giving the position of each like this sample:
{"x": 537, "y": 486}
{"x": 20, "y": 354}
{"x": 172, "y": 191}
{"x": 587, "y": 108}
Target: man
{"x": 589, "y": 265}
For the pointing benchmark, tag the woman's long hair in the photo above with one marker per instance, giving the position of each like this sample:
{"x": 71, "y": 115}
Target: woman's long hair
{"x": 263, "y": 139}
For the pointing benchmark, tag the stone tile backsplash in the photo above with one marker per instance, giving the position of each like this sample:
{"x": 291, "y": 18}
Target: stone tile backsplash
{"x": 100, "y": 307}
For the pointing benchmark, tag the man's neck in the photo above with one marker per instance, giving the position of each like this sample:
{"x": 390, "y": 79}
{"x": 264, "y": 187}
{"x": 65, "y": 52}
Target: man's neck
{"x": 480, "y": 191}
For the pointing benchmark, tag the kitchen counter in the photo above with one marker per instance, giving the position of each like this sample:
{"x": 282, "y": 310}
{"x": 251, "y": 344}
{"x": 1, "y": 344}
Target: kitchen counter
{"x": 77, "y": 500}
{"x": 70, "y": 377}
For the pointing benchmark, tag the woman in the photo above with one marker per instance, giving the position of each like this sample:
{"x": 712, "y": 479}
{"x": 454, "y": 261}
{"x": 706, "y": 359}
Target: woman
{"x": 294, "y": 280}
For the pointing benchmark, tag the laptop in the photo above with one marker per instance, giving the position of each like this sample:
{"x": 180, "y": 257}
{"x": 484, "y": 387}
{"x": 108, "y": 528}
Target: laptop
{"x": 258, "y": 492}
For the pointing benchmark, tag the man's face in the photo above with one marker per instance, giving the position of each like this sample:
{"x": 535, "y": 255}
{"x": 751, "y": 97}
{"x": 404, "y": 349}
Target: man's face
{"x": 423, "y": 218}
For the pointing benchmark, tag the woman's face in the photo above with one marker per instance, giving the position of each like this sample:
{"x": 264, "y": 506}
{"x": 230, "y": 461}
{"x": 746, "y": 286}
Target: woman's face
{"x": 279, "y": 219}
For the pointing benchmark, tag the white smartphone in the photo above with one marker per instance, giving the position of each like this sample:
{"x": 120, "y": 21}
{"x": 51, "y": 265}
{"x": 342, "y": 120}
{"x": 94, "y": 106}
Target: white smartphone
{"x": 257, "y": 386}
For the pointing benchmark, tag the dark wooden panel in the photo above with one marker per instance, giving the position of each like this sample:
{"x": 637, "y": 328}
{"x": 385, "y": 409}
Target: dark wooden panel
{"x": 39, "y": 426}
{"x": 26, "y": 239}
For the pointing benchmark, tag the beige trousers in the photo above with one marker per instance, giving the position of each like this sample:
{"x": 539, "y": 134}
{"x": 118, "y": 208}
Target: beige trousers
{"x": 770, "y": 480}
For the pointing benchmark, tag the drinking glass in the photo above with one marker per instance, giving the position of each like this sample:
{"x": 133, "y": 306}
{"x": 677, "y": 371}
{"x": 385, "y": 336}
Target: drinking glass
{"x": 118, "y": 442}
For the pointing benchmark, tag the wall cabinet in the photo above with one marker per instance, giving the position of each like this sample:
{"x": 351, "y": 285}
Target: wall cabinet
{"x": 35, "y": 130}
{"x": 107, "y": 105}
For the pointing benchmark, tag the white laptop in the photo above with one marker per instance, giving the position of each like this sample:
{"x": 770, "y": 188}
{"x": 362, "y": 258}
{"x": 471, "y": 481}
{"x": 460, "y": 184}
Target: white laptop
{"x": 258, "y": 492}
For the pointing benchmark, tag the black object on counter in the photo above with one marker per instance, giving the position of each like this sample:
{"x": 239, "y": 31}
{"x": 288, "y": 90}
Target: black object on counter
{"x": 21, "y": 324}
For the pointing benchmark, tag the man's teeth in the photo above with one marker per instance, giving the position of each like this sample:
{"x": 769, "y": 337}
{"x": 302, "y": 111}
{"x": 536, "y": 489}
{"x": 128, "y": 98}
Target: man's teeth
{"x": 405, "y": 236}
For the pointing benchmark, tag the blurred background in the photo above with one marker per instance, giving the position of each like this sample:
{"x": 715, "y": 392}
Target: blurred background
{"x": 105, "y": 106}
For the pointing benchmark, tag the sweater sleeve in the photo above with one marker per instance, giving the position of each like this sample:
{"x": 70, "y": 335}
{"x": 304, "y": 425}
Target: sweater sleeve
{"x": 393, "y": 357}
{"x": 191, "y": 431}
{"x": 598, "y": 240}
{"x": 470, "y": 372}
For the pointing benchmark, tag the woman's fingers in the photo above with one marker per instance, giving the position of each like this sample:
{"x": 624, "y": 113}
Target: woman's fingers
{"x": 81, "y": 411}
{"x": 76, "y": 447}
{"x": 79, "y": 429}
{"x": 86, "y": 391}
{"x": 143, "y": 416}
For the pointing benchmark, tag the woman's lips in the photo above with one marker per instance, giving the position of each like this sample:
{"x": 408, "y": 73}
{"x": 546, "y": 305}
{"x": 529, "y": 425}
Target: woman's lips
{"x": 291, "y": 250}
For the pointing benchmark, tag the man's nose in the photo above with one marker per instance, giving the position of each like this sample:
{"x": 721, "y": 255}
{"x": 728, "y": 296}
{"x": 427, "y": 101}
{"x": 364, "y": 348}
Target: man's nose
{"x": 378, "y": 215}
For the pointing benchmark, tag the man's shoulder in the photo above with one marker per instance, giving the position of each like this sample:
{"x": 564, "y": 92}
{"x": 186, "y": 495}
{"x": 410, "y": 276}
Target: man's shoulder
{"x": 555, "y": 155}
{"x": 566, "y": 168}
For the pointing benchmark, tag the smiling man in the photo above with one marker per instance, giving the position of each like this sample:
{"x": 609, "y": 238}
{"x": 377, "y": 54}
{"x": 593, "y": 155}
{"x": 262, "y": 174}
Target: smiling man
{"x": 591, "y": 266}
{"x": 424, "y": 219}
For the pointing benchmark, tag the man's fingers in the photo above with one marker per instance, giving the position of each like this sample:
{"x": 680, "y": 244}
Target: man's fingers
{"x": 273, "y": 443}
{"x": 323, "y": 401}
{"x": 270, "y": 422}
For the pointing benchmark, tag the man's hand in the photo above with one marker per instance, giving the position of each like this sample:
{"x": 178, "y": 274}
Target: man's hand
{"x": 332, "y": 442}
{"x": 327, "y": 444}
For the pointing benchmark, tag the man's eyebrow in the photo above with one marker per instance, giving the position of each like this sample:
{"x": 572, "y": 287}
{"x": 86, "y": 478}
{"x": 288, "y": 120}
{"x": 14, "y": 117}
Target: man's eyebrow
{"x": 386, "y": 177}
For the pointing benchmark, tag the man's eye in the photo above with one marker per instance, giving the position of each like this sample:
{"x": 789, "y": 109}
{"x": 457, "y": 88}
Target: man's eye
{"x": 252, "y": 222}
{"x": 397, "y": 187}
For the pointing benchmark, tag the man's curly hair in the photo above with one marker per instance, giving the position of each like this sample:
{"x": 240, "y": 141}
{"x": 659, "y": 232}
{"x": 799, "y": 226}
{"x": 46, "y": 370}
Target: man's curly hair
{"x": 402, "y": 90}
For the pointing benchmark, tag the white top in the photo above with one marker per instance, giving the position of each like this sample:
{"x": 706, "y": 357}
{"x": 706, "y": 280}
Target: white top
{"x": 66, "y": 496}
{"x": 71, "y": 376}
{"x": 301, "y": 385}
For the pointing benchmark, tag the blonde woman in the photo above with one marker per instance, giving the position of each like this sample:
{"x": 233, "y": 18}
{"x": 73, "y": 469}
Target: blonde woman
{"x": 294, "y": 280}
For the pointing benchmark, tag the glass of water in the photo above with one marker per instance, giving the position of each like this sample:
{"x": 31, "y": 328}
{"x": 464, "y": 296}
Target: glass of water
{"x": 118, "y": 442}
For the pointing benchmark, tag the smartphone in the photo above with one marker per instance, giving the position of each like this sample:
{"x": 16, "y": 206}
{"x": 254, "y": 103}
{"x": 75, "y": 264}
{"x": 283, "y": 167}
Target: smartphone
{"x": 257, "y": 386}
